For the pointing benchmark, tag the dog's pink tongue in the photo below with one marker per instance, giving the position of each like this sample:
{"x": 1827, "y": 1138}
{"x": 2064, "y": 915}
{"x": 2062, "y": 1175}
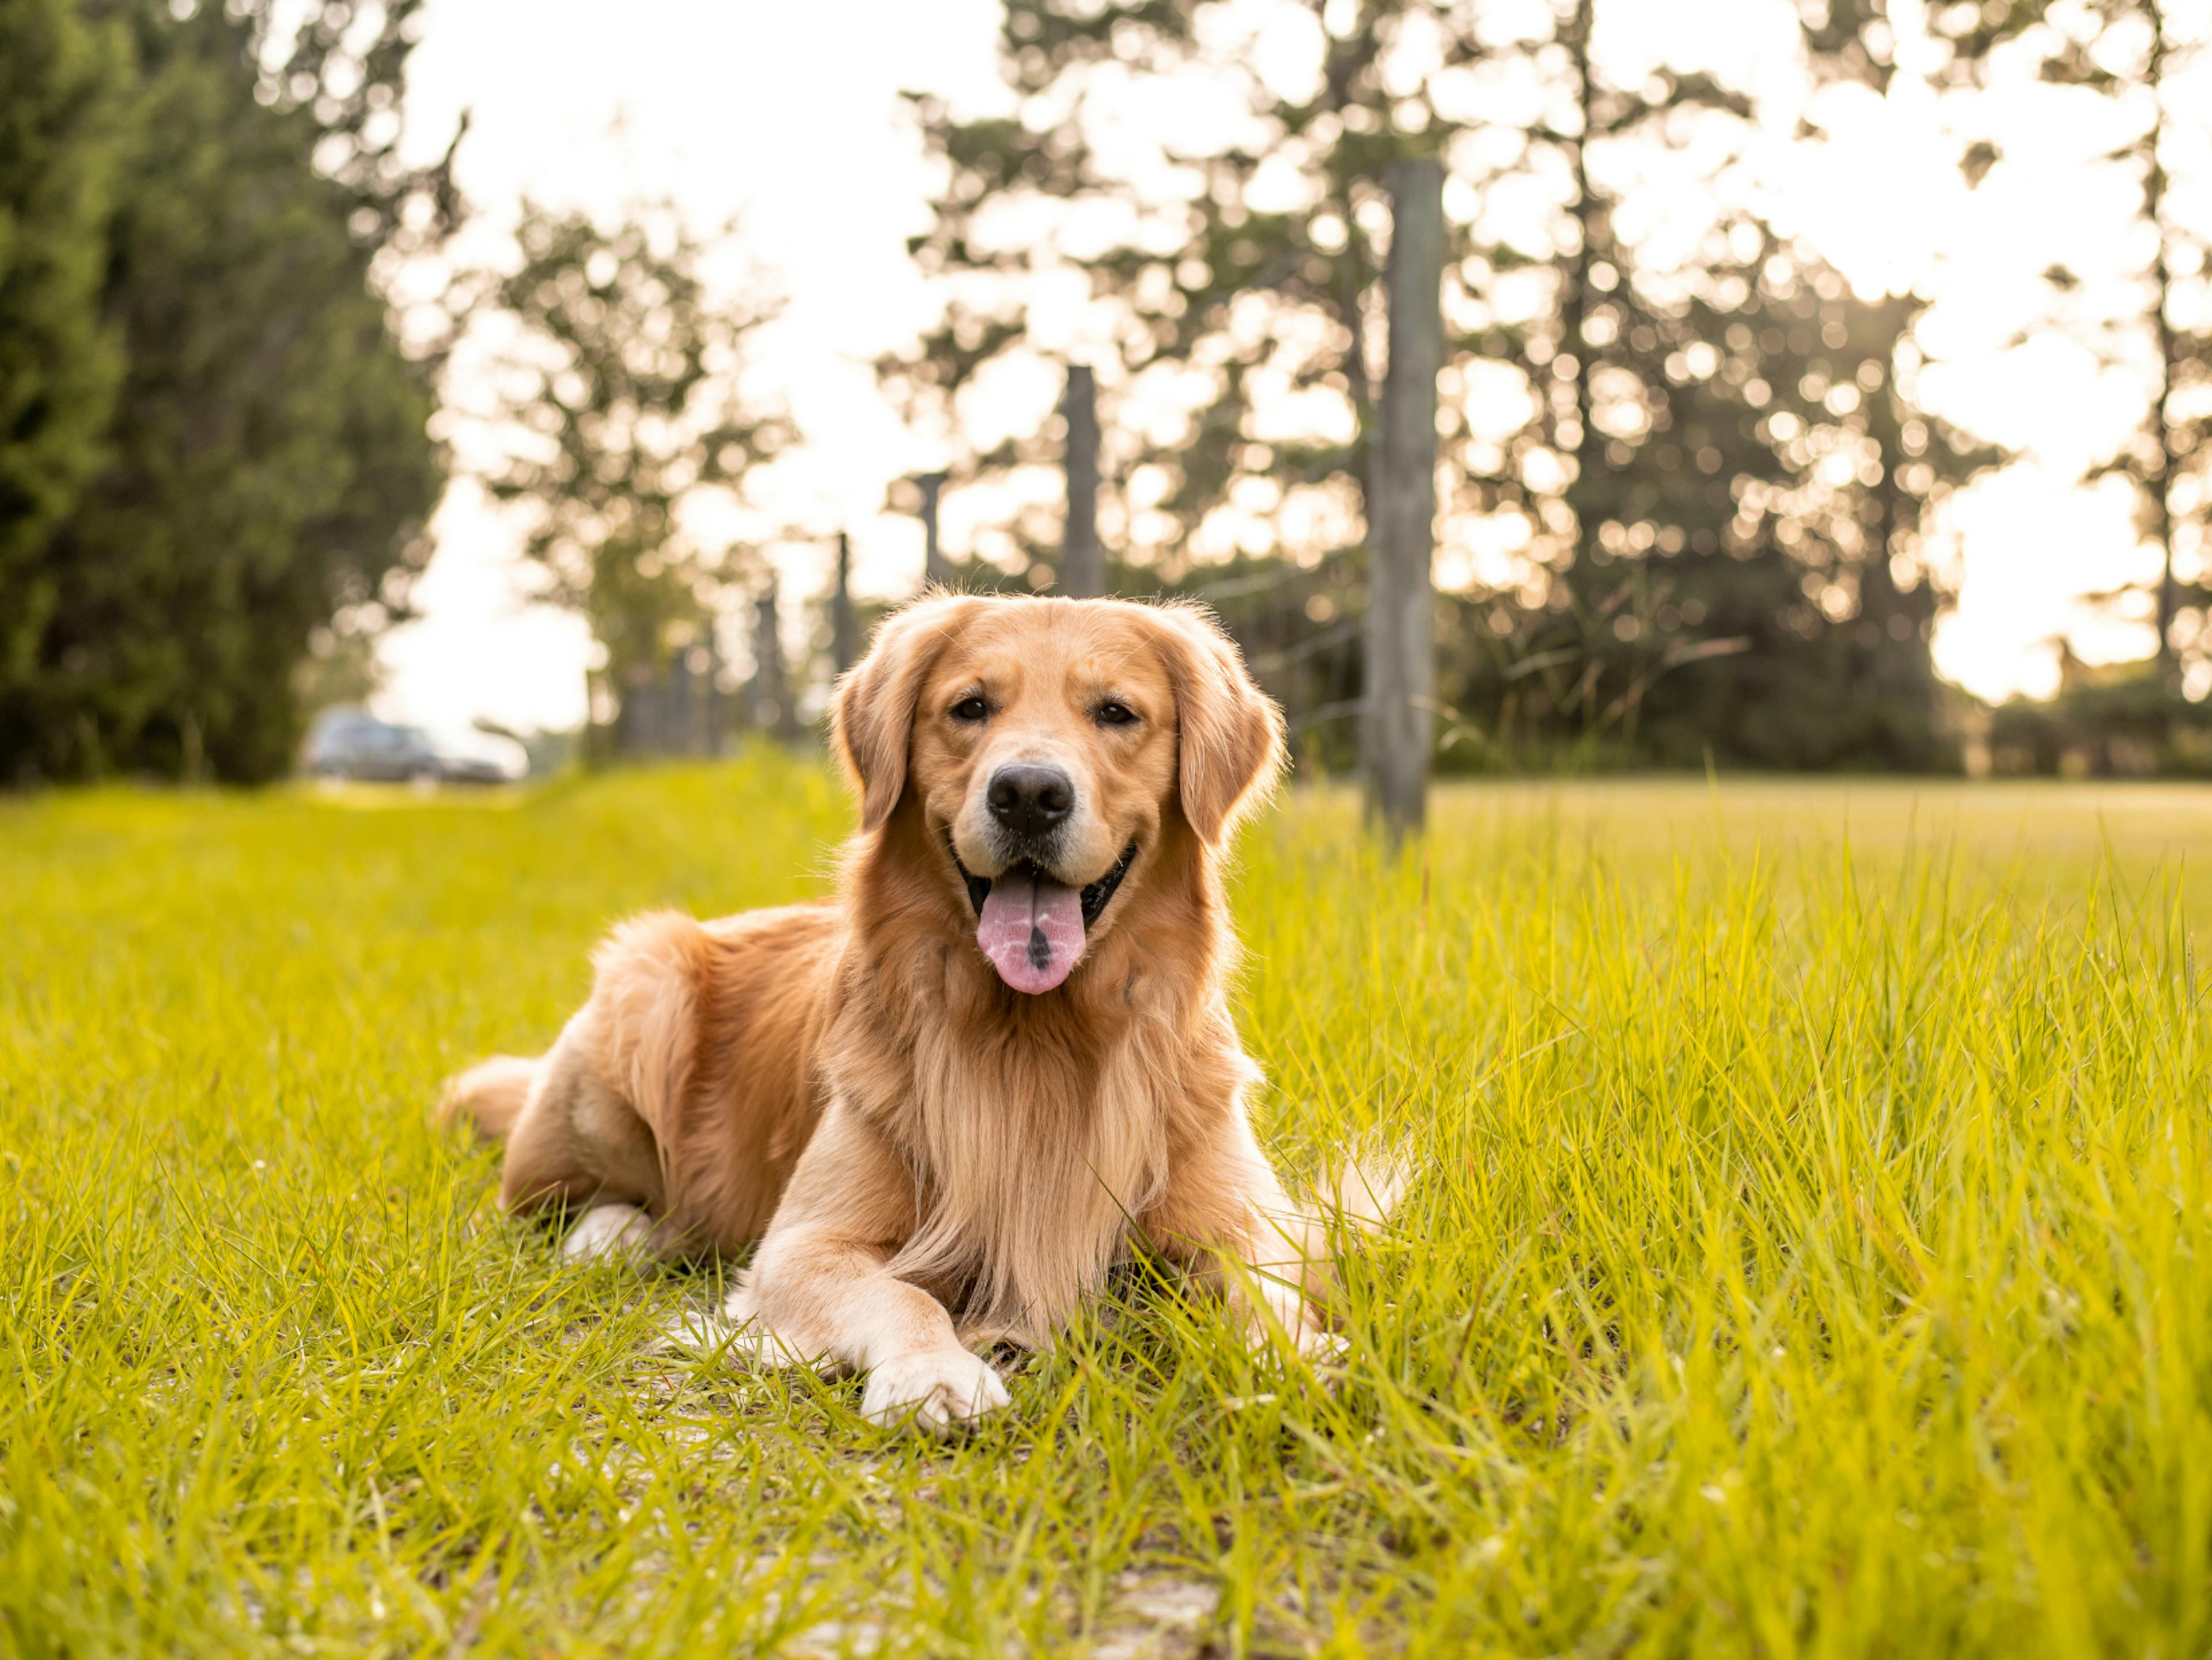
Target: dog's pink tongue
{"x": 1032, "y": 930}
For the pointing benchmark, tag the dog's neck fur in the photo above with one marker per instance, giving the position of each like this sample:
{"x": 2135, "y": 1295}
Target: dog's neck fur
{"x": 1031, "y": 1156}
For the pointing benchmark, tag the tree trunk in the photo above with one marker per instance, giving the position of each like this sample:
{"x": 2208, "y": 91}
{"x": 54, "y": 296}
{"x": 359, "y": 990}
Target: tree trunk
{"x": 2171, "y": 350}
{"x": 1401, "y": 668}
{"x": 1584, "y": 490}
{"x": 1081, "y": 562}
{"x": 713, "y": 705}
{"x": 772, "y": 700}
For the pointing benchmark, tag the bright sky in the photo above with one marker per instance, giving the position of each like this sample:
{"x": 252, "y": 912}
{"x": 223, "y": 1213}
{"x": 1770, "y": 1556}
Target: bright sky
{"x": 790, "y": 115}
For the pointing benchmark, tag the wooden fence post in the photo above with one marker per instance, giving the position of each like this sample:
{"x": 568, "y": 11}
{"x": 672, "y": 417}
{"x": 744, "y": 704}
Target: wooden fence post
{"x": 1081, "y": 562}
{"x": 844, "y": 634}
{"x": 1401, "y": 509}
{"x": 936, "y": 568}
{"x": 772, "y": 699}
{"x": 714, "y": 703}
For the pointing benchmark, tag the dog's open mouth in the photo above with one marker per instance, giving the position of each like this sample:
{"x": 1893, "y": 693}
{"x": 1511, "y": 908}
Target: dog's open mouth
{"x": 1032, "y": 927}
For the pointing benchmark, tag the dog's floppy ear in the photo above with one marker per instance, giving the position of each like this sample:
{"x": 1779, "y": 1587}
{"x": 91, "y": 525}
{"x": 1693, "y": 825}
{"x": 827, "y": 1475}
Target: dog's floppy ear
{"x": 1229, "y": 733}
{"x": 872, "y": 716}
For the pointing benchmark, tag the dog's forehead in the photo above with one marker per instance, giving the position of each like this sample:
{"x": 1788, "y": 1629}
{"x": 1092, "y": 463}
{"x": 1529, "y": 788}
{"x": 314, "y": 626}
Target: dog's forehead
{"x": 1020, "y": 646}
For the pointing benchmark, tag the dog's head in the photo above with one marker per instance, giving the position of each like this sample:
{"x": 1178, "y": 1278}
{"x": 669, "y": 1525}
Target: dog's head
{"x": 1049, "y": 745}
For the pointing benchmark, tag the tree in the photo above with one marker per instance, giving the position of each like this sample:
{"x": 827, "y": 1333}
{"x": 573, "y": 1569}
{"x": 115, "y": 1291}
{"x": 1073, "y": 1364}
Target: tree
{"x": 623, "y": 397}
{"x": 1916, "y": 462}
{"x": 1766, "y": 479}
{"x": 1754, "y": 423}
{"x": 1612, "y": 408}
{"x": 60, "y": 77}
{"x": 1302, "y": 278}
{"x": 2137, "y": 55}
{"x": 269, "y": 462}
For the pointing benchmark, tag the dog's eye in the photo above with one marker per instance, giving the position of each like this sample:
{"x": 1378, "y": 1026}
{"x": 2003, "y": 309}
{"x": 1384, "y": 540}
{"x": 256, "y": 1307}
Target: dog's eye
{"x": 1116, "y": 714}
{"x": 970, "y": 709}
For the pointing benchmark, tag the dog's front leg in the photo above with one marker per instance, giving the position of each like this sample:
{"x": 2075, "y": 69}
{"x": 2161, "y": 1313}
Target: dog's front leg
{"x": 820, "y": 1286}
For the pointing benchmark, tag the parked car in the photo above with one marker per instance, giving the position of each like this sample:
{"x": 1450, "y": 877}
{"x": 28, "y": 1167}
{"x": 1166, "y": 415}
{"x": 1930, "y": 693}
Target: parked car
{"x": 349, "y": 742}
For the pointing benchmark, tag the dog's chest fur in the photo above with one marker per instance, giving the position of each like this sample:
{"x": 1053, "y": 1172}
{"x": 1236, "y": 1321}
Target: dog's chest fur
{"x": 1031, "y": 1154}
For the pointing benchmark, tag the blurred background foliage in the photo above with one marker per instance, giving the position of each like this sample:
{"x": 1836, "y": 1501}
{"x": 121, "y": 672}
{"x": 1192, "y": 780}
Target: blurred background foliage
{"x": 218, "y": 444}
{"x": 621, "y": 391}
{"x": 1688, "y": 478}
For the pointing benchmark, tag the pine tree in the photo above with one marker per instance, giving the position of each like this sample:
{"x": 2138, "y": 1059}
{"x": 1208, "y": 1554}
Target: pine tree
{"x": 60, "y": 79}
{"x": 267, "y": 463}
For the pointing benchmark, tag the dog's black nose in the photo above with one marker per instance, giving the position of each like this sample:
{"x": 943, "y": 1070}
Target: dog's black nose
{"x": 1030, "y": 801}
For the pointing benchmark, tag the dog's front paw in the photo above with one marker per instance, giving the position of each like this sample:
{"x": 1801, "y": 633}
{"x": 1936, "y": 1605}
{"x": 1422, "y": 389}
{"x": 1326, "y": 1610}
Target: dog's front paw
{"x": 1324, "y": 1348}
{"x": 936, "y": 1390}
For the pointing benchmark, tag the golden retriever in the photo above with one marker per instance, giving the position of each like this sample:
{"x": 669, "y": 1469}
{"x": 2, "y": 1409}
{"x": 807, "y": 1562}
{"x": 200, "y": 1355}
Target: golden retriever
{"x": 945, "y": 1102}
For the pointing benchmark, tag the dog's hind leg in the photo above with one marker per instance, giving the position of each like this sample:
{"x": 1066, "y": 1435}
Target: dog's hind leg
{"x": 578, "y": 1143}
{"x": 587, "y": 1137}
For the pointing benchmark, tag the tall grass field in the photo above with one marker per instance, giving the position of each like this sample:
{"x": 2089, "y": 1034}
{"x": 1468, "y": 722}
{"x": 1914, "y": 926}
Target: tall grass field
{"x": 1810, "y": 1252}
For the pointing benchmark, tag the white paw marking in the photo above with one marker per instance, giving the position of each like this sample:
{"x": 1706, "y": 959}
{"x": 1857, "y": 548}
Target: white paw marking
{"x": 934, "y": 1390}
{"x": 607, "y": 1231}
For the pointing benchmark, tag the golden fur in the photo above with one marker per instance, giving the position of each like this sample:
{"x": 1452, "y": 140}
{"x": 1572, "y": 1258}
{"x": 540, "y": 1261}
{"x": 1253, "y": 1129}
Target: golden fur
{"x": 926, "y": 1156}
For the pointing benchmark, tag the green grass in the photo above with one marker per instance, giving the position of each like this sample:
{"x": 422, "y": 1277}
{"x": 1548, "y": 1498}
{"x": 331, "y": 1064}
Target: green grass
{"x": 1812, "y": 1253}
